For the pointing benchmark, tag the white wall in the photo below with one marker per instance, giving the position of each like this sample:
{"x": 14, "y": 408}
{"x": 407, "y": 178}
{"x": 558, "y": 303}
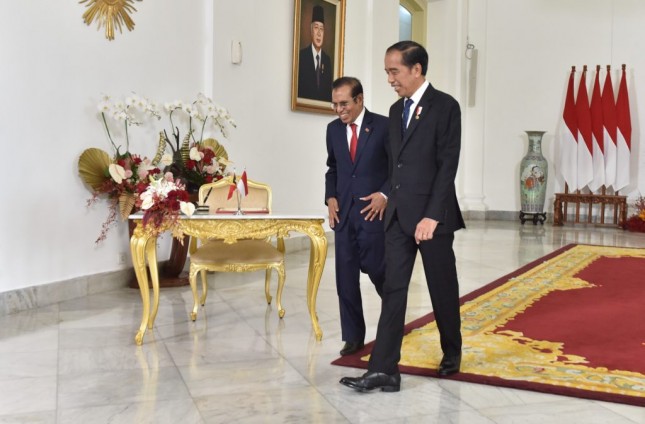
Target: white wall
{"x": 525, "y": 52}
{"x": 53, "y": 70}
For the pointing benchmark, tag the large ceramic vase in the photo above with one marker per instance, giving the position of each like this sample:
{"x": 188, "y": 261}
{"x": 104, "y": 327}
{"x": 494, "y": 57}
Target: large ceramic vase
{"x": 533, "y": 175}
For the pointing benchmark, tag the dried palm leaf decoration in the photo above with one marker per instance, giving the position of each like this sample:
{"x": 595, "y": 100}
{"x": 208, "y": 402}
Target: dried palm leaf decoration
{"x": 92, "y": 165}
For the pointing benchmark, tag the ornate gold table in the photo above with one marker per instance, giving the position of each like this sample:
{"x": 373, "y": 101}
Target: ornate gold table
{"x": 228, "y": 228}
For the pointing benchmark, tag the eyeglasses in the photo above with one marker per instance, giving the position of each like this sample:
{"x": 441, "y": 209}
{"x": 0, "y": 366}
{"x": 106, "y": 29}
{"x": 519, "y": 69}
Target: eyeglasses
{"x": 342, "y": 105}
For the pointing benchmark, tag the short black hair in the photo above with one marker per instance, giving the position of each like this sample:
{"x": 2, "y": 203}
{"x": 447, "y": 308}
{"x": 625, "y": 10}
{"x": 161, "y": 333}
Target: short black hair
{"x": 352, "y": 82}
{"x": 411, "y": 54}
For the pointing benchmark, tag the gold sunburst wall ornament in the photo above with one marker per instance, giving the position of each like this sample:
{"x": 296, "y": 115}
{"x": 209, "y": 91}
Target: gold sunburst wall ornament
{"x": 110, "y": 14}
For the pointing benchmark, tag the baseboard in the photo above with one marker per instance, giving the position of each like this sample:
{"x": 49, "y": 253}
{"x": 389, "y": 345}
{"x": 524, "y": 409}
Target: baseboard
{"x": 497, "y": 216}
{"x": 52, "y": 293}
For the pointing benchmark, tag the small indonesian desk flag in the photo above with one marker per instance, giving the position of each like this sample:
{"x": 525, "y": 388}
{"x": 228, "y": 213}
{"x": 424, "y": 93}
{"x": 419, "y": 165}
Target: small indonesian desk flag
{"x": 598, "y": 150}
{"x": 585, "y": 142}
{"x": 568, "y": 147}
{"x": 623, "y": 135}
{"x": 609, "y": 125}
{"x": 242, "y": 185}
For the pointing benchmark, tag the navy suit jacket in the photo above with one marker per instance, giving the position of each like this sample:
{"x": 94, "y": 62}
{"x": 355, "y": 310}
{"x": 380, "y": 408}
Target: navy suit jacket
{"x": 424, "y": 163}
{"x": 348, "y": 181}
{"x": 307, "y": 87}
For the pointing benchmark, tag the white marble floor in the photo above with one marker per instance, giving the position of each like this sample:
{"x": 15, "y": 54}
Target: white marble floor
{"x": 76, "y": 362}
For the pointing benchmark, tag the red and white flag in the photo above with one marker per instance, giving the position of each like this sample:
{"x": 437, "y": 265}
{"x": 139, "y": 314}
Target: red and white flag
{"x": 568, "y": 147}
{"x": 231, "y": 189}
{"x": 598, "y": 155}
{"x": 623, "y": 135}
{"x": 585, "y": 142}
{"x": 609, "y": 133}
{"x": 242, "y": 185}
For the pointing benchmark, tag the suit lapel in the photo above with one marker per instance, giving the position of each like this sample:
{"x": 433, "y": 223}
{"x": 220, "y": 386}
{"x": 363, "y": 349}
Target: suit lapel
{"x": 363, "y": 135}
{"x": 395, "y": 122}
{"x": 419, "y": 112}
{"x": 341, "y": 139}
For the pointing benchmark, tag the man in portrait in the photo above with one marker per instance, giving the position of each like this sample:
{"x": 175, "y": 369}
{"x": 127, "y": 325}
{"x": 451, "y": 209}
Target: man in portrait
{"x": 315, "y": 72}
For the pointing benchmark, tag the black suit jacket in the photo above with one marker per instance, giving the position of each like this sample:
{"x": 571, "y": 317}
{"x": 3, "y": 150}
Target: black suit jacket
{"x": 307, "y": 87}
{"x": 424, "y": 163}
{"x": 347, "y": 181}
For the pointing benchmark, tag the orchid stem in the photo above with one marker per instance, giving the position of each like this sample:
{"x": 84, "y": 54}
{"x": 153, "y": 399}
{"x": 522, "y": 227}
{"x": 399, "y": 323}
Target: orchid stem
{"x": 108, "y": 131}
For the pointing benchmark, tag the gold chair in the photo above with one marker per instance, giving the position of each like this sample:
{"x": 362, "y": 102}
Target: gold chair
{"x": 244, "y": 255}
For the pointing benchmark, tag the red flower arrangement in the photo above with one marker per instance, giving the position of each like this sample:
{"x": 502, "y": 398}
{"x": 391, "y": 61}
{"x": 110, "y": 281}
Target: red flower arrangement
{"x": 121, "y": 180}
{"x": 202, "y": 166}
{"x": 636, "y": 222}
{"x": 162, "y": 201}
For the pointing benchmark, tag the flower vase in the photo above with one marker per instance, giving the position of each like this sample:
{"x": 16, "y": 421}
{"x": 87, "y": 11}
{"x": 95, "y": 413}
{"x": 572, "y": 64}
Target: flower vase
{"x": 533, "y": 179}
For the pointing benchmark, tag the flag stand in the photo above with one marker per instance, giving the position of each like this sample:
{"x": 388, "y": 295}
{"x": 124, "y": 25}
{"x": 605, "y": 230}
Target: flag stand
{"x": 239, "y": 203}
{"x": 618, "y": 202}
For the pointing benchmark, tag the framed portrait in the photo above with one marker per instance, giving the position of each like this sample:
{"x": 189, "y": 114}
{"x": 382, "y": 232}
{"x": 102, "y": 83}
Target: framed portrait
{"x": 318, "y": 43}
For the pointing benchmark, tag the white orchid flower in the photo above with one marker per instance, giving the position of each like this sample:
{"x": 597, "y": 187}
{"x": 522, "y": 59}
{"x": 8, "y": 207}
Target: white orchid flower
{"x": 195, "y": 154}
{"x": 144, "y": 167}
{"x": 117, "y": 172}
{"x": 187, "y": 208}
{"x": 146, "y": 201}
{"x": 166, "y": 159}
{"x": 104, "y": 107}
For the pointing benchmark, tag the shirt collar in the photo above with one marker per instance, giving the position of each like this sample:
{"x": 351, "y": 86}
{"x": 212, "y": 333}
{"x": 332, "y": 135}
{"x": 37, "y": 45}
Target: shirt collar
{"x": 358, "y": 121}
{"x": 416, "y": 97}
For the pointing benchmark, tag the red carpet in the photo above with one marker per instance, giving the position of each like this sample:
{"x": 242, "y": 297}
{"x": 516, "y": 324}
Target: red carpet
{"x": 570, "y": 323}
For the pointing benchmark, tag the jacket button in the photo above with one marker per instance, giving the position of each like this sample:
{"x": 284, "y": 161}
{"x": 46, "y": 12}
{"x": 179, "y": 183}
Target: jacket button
{"x": 399, "y": 165}
{"x": 397, "y": 186}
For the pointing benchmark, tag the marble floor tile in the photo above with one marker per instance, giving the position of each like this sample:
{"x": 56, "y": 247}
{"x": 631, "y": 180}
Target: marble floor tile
{"x": 76, "y": 361}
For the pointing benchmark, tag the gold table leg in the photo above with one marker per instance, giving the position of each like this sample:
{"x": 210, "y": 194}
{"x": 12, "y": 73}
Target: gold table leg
{"x": 138, "y": 251}
{"x": 317, "y": 257}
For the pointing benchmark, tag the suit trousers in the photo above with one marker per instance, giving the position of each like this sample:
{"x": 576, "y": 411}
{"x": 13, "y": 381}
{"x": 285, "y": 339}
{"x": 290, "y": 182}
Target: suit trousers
{"x": 441, "y": 276}
{"x": 357, "y": 249}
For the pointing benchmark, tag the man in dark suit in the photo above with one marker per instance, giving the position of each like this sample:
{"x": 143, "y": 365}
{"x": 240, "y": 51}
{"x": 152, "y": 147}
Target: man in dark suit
{"x": 422, "y": 215}
{"x": 315, "y": 72}
{"x": 356, "y": 186}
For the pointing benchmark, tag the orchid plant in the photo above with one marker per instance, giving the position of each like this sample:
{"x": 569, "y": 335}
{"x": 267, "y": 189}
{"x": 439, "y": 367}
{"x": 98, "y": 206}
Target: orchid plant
{"x": 131, "y": 111}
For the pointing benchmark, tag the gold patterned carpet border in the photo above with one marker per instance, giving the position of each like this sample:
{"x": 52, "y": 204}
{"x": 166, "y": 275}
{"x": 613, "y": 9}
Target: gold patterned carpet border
{"x": 493, "y": 354}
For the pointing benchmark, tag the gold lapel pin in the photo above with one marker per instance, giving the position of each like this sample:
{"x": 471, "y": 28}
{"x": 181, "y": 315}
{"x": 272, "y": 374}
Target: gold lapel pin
{"x": 367, "y": 130}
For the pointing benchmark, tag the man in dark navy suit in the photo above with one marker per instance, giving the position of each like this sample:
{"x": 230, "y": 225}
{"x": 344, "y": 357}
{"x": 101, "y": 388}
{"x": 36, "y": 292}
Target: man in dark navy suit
{"x": 315, "y": 71}
{"x": 422, "y": 216}
{"x": 356, "y": 188}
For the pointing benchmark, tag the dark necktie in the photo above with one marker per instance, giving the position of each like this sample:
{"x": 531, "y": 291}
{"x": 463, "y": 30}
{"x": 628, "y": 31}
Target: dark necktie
{"x": 406, "y": 114}
{"x": 354, "y": 142}
{"x": 318, "y": 71}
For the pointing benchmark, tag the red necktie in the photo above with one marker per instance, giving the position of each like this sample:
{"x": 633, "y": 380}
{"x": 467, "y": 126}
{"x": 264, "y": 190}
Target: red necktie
{"x": 354, "y": 142}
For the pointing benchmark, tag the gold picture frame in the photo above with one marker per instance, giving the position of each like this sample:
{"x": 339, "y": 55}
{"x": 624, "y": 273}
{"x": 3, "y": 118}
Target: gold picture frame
{"x": 312, "y": 76}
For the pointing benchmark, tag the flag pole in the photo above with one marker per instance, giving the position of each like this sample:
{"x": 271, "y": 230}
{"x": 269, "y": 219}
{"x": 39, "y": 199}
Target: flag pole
{"x": 239, "y": 199}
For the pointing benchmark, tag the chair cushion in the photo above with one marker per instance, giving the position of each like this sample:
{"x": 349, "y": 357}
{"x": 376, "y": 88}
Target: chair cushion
{"x": 242, "y": 252}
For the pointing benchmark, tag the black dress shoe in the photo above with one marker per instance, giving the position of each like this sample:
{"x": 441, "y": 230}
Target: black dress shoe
{"x": 449, "y": 365}
{"x": 374, "y": 380}
{"x": 351, "y": 347}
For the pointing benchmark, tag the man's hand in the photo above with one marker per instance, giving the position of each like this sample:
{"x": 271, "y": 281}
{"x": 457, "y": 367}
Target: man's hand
{"x": 377, "y": 206}
{"x": 333, "y": 209}
{"x": 425, "y": 229}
